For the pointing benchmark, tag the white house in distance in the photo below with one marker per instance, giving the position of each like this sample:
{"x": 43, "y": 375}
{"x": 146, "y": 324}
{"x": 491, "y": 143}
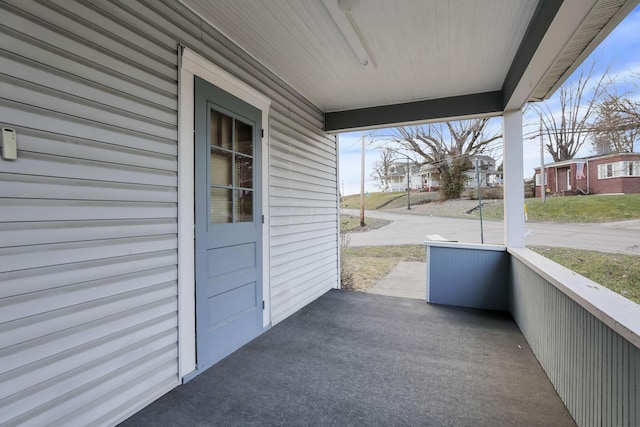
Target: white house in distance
{"x": 397, "y": 177}
{"x": 489, "y": 175}
{"x": 173, "y": 191}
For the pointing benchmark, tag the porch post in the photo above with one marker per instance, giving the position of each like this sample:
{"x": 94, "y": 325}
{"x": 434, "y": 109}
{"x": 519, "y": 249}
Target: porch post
{"x": 513, "y": 179}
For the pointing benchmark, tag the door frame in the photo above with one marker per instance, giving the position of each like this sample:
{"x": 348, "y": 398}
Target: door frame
{"x": 191, "y": 64}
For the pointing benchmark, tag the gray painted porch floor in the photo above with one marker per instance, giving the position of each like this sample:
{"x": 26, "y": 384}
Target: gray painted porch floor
{"x": 354, "y": 359}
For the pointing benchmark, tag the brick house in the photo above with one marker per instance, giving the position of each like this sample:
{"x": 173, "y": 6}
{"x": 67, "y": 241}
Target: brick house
{"x": 603, "y": 174}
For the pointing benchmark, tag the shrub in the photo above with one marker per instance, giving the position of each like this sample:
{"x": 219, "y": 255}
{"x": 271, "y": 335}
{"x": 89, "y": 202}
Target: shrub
{"x": 486, "y": 192}
{"x": 453, "y": 177}
{"x": 346, "y": 274}
{"x": 529, "y": 189}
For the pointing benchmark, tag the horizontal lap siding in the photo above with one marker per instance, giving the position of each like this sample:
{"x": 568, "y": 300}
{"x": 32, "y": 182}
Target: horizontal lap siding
{"x": 303, "y": 216}
{"x": 88, "y": 212}
{"x": 302, "y": 169}
{"x": 88, "y": 215}
{"x": 302, "y": 172}
{"x": 595, "y": 371}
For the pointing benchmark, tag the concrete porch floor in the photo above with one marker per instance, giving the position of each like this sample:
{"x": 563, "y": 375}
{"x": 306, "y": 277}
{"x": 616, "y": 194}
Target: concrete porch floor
{"x": 354, "y": 359}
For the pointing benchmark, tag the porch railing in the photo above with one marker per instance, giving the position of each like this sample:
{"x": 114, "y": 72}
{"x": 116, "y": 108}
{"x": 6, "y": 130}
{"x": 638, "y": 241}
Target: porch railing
{"x": 586, "y": 337}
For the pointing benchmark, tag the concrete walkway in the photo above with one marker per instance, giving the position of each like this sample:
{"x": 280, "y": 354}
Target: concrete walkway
{"x": 405, "y": 280}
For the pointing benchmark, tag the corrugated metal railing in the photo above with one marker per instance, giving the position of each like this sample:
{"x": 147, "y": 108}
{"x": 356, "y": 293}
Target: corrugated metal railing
{"x": 590, "y": 357}
{"x": 586, "y": 337}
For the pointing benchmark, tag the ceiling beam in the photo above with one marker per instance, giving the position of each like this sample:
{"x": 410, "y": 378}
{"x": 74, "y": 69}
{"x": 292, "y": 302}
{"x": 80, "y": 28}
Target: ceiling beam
{"x": 412, "y": 112}
{"x": 459, "y": 106}
{"x": 538, "y": 26}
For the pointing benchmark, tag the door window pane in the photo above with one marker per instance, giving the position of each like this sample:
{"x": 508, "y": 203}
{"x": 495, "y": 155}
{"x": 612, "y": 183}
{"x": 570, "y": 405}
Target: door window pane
{"x": 244, "y": 172}
{"x": 221, "y": 206}
{"x": 244, "y": 206}
{"x": 244, "y": 138}
{"x": 221, "y": 130}
{"x": 220, "y": 167}
{"x": 230, "y": 169}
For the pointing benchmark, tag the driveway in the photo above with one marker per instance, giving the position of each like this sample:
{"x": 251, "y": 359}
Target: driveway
{"x": 406, "y": 228}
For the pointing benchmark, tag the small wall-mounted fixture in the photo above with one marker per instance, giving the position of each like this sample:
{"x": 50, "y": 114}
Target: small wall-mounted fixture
{"x": 9, "y": 144}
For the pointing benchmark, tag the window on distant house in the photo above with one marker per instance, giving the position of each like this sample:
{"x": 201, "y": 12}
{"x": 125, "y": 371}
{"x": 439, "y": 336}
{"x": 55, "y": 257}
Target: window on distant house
{"x": 568, "y": 179}
{"x": 538, "y": 179}
{"x": 605, "y": 170}
{"x": 618, "y": 169}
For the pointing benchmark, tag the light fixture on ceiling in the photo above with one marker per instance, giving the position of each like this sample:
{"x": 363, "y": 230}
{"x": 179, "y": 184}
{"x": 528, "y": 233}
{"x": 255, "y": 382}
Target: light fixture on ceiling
{"x": 341, "y": 12}
{"x": 347, "y": 6}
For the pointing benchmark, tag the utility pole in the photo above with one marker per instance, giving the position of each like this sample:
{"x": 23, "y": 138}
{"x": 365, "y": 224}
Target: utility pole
{"x": 479, "y": 199}
{"x": 408, "y": 187}
{"x": 362, "y": 185}
{"x": 543, "y": 194}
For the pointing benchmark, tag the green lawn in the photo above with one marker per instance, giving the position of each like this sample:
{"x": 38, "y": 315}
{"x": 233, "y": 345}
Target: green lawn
{"x": 620, "y": 273}
{"x": 371, "y": 201}
{"x": 596, "y": 208}
{"x": 389, "y": 200}
{"x": 416, "y": 199}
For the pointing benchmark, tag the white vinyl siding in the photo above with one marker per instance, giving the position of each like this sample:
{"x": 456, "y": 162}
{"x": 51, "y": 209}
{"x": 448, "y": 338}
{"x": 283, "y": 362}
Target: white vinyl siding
{"x": 88, "y": 266}
{"x": 88, "y": 211}
{"x": 302, "y": 178}
{"x": 303, "y": 216}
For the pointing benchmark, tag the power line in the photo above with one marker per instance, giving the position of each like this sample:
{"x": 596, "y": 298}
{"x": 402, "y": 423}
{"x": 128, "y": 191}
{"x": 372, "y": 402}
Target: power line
{"x": 582, "y": 130}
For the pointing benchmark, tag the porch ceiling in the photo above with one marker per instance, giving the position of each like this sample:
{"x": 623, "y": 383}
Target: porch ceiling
{"x": 377, "y": 62}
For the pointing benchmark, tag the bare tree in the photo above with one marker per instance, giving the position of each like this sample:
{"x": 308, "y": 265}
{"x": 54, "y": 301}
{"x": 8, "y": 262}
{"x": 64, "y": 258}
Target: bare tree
{"x": 628, "y": 107}
{"x": 448, "y": 146}
{"x": 568, "y": 129}
{"x": 615, "y": 130}
{"x": 382, "y": 168}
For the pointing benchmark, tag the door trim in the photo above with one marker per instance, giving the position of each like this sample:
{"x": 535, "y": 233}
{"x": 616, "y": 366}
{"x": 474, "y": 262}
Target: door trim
{"x": 191, "y": 64}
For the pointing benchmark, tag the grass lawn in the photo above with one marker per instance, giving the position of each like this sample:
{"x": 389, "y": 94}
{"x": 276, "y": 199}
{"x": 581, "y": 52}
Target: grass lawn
{"x": 416, "y": 199}
{"x": 571, "y": 209}
{"x": 371, "y": 201}
{"x": 389, "y": 200}
{"x": 620, "y": 273}
{"x": 595, "y": 208}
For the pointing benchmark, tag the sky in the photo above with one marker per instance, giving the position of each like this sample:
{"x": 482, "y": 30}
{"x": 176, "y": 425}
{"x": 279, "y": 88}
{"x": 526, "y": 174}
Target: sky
{"x": 620, "y": 51}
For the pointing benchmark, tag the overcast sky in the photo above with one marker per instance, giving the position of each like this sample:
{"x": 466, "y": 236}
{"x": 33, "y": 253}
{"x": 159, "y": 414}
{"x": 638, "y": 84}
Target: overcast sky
{"x": 620, "y": 51}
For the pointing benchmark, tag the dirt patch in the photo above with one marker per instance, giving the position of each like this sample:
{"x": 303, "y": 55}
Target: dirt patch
{"x": 351, "y": 224}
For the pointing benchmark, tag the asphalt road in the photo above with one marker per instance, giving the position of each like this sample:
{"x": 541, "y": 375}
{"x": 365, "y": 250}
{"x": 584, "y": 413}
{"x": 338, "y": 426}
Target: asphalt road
{"x": 406, "y": 228}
